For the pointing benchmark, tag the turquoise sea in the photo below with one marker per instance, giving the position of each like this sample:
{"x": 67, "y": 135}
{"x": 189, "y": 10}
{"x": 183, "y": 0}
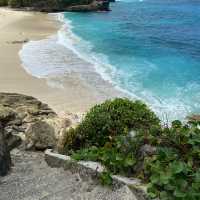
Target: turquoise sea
{"x": 150, "y": 49}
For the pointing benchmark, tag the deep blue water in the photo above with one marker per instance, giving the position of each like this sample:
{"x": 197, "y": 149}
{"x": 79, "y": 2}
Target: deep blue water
{"x": 151, "y": 48}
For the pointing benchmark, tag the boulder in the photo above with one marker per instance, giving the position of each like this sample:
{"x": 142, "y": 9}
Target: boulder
{"x": 5, "y": 160}
{"x": 34, "y": 122}
{"x": 40, "y": 135}
{"x": 46, "y": 133}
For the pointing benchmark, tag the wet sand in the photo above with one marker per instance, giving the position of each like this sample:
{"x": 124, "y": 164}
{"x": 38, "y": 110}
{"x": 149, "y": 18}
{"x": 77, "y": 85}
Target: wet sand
{"x": 17, "y": 27}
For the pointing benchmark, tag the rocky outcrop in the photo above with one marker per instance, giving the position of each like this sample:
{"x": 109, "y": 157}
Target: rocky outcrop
{"x": 5, "y": 160}
{"x": 31, "y": 120}
{"x": 94, "y": 6}
{"x": 194, "y": 119}
{"x": 61, "y": 5}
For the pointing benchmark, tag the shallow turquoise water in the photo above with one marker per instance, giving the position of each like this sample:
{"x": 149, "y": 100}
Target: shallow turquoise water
{"x": 149, "y": 48}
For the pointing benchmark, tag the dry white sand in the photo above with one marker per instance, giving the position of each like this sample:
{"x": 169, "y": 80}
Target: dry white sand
{"x": 19, "y": 26}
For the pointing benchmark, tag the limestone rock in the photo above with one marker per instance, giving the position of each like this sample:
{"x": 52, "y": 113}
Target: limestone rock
{"x": 94, "y": 6}
{"x": 6, "y": 114}
{"x": 33, "y": 121}
{"x": 40, "y": 135}
{"x": 18, "y": 113}
{"x": 194, "y": 119}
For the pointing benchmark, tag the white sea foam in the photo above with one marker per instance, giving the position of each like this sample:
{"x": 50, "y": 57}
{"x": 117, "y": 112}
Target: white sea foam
{"x": 66, "y": 53}
{"x": 167, "y": 109}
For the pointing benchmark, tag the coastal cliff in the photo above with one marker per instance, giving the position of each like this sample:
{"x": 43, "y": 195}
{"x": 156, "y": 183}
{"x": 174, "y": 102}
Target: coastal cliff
{"x": 58, "y": 5}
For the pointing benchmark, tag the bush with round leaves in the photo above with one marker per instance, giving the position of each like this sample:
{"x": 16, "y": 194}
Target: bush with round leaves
{"x": 113, "y": 117}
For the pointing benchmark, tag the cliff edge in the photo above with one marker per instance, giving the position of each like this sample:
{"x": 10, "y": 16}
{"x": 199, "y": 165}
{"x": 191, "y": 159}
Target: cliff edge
{"x": 58, "y": 5}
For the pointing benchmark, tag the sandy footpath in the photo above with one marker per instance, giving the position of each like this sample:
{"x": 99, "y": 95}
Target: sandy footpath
{"x": 16, "y": 26}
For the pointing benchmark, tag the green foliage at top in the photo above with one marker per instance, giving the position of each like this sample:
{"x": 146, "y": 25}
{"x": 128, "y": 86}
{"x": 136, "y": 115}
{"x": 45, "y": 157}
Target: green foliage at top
{"x": 30, "y": 3}
{"x": 112, "y": 118}
{"x": 3, "y": 2}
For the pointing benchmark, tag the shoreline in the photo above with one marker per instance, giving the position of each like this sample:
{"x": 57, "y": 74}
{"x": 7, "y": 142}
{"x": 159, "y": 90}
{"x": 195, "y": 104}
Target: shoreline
{"x": 75, "y": 97}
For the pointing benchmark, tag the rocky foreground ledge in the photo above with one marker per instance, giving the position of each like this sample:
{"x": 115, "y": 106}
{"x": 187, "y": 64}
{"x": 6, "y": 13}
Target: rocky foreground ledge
{"x": 27, "y": 121}
{"x": 26, "y": 118}
{"x": 28, "y": 124}
{"x": 32, "y": 179}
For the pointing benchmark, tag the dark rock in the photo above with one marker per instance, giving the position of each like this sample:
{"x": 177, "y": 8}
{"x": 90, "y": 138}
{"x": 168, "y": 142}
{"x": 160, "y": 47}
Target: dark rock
{"x": 6, "y": 114}
{"x": 20, "y": 41}
{"x": 5, "y": 160}
{"x": 61, "y": 5}
{"x": 94, "y": 6}
{"x": 13, "y": 141}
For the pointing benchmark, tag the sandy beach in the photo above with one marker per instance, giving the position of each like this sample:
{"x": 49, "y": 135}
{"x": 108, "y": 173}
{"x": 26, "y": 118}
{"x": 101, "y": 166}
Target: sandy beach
{"x": 19, "y": 26}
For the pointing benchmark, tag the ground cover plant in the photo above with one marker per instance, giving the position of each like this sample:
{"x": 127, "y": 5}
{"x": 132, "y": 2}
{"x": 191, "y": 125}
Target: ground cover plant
{"x": 127, "y": 138}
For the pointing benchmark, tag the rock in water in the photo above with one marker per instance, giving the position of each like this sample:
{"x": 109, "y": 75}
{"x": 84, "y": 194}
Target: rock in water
{"x": 96, "y": 5}
{"x": 5, "y": 160}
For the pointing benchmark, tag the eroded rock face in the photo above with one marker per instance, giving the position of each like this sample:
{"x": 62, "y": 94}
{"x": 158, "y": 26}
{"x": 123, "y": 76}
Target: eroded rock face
{"x": 62, "y": 5}
{"x": 5, "y": 160}
{"x": 40, "y": 135}
{"x": 94, "y": 6}
{"x": 27, "y": 118}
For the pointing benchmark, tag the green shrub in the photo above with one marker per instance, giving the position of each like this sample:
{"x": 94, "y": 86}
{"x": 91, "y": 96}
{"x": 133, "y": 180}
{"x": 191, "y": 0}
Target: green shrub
{"x": 166, "y": 159}
{"x": 3, "y": 2}
{"x": 15, "y": 3}
{"x": 119, "y": 157}
{"x": 112, "y": 118}
{"x": 174, "y": 172}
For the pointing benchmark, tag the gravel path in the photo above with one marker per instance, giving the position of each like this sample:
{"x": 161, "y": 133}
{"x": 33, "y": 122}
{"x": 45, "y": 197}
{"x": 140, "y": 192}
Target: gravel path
{"x": 32, "y": 179}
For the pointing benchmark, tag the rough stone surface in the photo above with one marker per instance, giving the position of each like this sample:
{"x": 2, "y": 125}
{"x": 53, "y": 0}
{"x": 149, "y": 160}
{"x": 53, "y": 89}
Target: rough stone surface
{"x": 40, "y": 135}
{"x": 194, "y": 118}
{"x": 94, "y": 6}
{"x": 33, "y": 179}
{"x": 32, "y": 120}
{"x": 89, "y": 169}
{"x": 5, "y": 160}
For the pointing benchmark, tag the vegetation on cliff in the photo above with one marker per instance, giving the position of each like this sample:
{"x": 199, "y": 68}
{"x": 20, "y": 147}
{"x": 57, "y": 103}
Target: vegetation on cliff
{"x": 128, "y": 139}
{"x": 58, "y": 5}
{"x": 27, "y": 3}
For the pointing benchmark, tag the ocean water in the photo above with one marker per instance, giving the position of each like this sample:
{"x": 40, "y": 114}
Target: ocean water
{"x": 147, "y": 49}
